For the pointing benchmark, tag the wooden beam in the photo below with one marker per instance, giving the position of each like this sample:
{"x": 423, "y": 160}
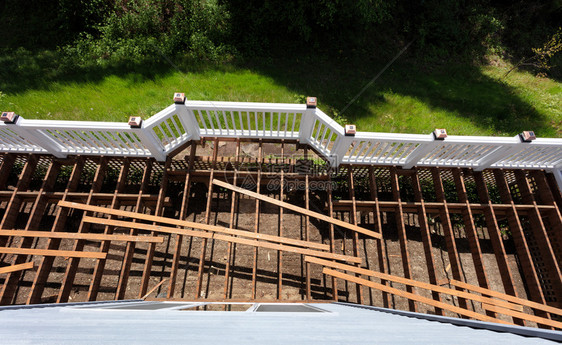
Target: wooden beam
{"x": 104, "y": 247}
{"x": 46, "y": 263}
{"x": 145, "y": 280}
{"x": 523, "y": 253}
{"x": 448, "y": 233}
{"x": 73, "y": 263}
{"x": 408, "y": 295}
{"x": 353, "y": 219}
{"x": 426, "y": 238}
{"x": 48, "y": 252}
{"x": 201, "y": 268}
{"x": 540, "y": 234}
{"x": 496, "y": 238}
{"x": 257, "y": 219}
{"x": 211, "y": 235}
{"x": 523, "y": 316}
{"x": 402, "y": 236}
{"x": 233, "y": 206}
{"x": 130, "y": 249}
{"x": 419, "y": 284}
{"x": 11, "y": 282}
{"x": 18, "y": 267}
{"x": 297, "y": 209}
{"x": 332, "y": 238}
{"x": 182, "y": 216}
{"x": 471, "y": 234}
{"x": 82, "y": 236}
{"x": 280, "y": 231}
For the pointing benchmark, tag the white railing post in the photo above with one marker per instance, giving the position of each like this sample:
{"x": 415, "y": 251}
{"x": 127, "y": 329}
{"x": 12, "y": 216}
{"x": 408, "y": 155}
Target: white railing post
{"x": 307, "y": 120}
{"x": 149, "y": 141}
{"x": 340, "y": 149}
{"x": 421, "y": 151}
{"x": 186, "y": 116}
{"x": 36, "y": 137}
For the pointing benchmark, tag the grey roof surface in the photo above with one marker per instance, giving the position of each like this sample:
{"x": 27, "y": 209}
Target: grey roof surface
{"x": 339, "y": 324}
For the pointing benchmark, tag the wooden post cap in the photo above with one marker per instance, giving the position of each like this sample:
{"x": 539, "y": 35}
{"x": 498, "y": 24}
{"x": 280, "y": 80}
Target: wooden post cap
{"x": 311, "y": 102}
{"x": 440, "y": 133}
{"x": 9, "y": 117}
{"x": 179, "y": 98}
{"x": 527, "y": 136}
{"x": 350, "y": 130}
{"x": 135, "y": 121}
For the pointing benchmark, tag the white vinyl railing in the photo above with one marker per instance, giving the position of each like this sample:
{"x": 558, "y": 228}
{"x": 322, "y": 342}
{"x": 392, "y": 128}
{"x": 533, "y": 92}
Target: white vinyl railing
{"x": 177, "y": 124}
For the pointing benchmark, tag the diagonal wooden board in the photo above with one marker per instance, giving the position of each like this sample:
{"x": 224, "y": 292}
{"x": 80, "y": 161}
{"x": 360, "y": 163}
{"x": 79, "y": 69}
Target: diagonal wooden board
{"x": 412, "y": 282}
{"x": 19, "y": 267}
{"x": 411, "y": 296}
{"x": 82, "y": 236}
{"x": 49, "y": 252}
{"x": 210, "y": 235}
{"x": 298, "y": 209}
{"x": 200, "y": 226}
{"x": 498, "y": 306}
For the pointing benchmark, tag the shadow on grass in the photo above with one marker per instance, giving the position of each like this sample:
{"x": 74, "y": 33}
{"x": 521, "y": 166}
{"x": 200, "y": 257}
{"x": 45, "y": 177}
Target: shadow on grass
{"x": 461, "y": 89}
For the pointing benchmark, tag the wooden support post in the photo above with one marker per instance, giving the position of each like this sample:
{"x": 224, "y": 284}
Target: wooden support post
{"x": 426, "y": 238}
{"x": 402, "y": 236}
{"x": 471, "y": 234}
{"x": 496, "y": 238}
{"x": 540, "y": 234}
{"x": 207, "y": 221}
{"x": 104, "y": 247}
{"x": 72, "y": 266}
{"x": 81, "y": 236}
{"x": 383, "y": 264}
{"x": 46, "y": 262}
{"x": 233, "y": 207}
{"x": 354, "y": 221}
{"x": 130, "y": 249}
{"x": 182, "y": 216}
{"x": 152, "y": 247}
{"x": 449, "y": 235}
{"x": 6, "y": 168}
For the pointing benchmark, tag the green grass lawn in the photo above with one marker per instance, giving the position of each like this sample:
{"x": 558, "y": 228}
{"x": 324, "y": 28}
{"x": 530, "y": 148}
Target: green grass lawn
{"x": 465, "y": 99}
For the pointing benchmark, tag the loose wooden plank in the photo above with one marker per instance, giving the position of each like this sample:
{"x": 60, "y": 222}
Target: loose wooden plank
{"x": 48, "y": 252}
{"x": 18, "y": 267}
{"x": 82, "y": 236}
{"x": 527, "y": 317}
{"x": 211, "y": 235}
{"x": 417, "y": 298}
{"x": 506, "y": 297}
{"x": 186, "y": 223}
{"x": 411, "y": 282}
{"x": 298, "y": 209}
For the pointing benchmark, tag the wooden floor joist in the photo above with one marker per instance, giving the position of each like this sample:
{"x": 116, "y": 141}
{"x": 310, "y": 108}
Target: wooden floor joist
{"x": 298, "y": 209}
{"x": 18, "y": 267}
{"x": 130, "y": 248}
{"x": 46, "y": 263}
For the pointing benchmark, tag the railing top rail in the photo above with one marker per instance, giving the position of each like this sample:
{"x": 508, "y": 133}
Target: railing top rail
{"x": 245, "y": 106}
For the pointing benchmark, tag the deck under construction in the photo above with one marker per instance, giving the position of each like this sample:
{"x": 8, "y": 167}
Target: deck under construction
{"x": 465, "y": 232}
